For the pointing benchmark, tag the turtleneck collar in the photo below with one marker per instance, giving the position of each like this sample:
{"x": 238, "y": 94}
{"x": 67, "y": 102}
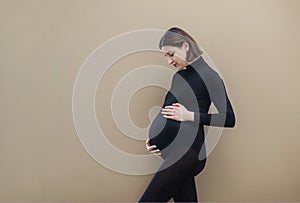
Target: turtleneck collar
{"x": 196, "y": 62}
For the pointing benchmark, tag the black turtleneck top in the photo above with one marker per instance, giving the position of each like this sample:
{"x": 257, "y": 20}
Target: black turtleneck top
{"x": 195, "y": 87}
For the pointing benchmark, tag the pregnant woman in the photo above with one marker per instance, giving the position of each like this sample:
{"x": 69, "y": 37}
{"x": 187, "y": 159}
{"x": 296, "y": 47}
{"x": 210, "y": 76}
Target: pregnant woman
{"x": 177, "y": 133}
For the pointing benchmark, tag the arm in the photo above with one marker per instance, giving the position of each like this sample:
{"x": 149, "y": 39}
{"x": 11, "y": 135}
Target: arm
{"x": 218, "y": 95}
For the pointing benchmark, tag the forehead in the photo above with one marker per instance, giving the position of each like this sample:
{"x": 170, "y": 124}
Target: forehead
{"x": 166, "y": 49}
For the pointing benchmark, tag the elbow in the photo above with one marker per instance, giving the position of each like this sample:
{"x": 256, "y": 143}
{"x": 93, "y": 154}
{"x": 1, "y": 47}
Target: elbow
{"x": 230, "y": 120}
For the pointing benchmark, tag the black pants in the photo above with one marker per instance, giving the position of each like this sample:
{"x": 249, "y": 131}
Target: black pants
{"x": 175, "y": 180}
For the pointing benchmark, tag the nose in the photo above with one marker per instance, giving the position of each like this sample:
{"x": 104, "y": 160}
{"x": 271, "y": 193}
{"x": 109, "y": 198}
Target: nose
{"x": 170, "y": 60}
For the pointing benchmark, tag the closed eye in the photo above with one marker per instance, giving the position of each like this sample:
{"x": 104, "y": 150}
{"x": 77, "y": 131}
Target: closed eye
{"x": 169, "y": 54}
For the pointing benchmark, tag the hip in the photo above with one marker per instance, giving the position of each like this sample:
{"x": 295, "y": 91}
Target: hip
{"x": 184, "y": 158}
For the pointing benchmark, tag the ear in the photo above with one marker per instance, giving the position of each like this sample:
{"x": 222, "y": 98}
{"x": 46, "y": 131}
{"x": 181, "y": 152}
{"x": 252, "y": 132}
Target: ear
{"x": 185, "y": 46}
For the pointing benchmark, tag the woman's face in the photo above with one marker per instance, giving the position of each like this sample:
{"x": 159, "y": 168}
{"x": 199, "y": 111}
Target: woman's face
{"x": 176, "y": 56}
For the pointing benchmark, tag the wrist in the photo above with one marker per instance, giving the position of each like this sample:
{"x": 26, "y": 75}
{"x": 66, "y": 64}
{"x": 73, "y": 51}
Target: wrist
{"x": 190, "y": 116}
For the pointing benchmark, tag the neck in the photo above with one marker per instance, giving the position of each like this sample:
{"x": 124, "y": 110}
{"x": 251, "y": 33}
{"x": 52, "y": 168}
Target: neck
{"x": 189, "y": 63}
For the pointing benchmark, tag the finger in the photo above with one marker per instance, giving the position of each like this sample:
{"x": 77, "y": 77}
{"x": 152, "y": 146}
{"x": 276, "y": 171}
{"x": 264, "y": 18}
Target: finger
{"x": 167, "y": 111}
{"x": 169, "y": 116}
{"x": 148, "y": 143}
{"x": 158, "y": 154}
{"x": 176, "y": 104}
{"x": 173, "y": 109}
{"x": 151, "y": 147}
{"x": 155, "y": 151}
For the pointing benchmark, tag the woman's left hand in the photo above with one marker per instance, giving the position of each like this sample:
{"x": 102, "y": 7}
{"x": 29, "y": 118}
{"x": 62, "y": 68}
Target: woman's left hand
{"x": 177, "y": 112}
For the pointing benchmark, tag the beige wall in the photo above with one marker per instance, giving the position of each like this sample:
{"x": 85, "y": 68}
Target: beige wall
{"x": 254, "y": 43}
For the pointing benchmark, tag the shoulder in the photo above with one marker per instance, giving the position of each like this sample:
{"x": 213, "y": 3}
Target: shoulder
{"x": 206, "y": 72}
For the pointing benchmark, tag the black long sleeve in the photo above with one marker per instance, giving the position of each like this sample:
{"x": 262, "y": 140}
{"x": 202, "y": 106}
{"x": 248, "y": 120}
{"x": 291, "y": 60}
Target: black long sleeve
{"x": 200, "y": 82}
{"x": 218, "y": 95}
{"x": 196, "y": 87}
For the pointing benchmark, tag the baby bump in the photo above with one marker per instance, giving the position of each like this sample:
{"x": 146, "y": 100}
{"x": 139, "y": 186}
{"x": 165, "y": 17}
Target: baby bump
{"x": 163, "y": 131}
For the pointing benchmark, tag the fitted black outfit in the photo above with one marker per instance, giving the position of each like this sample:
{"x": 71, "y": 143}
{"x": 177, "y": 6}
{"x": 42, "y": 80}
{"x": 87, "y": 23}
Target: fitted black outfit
{"x": 182, "y": 143}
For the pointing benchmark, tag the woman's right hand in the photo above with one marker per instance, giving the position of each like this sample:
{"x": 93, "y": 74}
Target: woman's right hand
{"x": 151, "y": 148}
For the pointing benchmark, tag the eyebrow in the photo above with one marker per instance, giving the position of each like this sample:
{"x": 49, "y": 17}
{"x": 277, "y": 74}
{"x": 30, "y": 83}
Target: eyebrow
{"x": 168, "y": 53}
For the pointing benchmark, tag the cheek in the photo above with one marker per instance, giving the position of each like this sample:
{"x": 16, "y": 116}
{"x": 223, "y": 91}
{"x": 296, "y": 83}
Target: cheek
{"x": 181, "y": 56}
{"x": 184, "y": 54}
